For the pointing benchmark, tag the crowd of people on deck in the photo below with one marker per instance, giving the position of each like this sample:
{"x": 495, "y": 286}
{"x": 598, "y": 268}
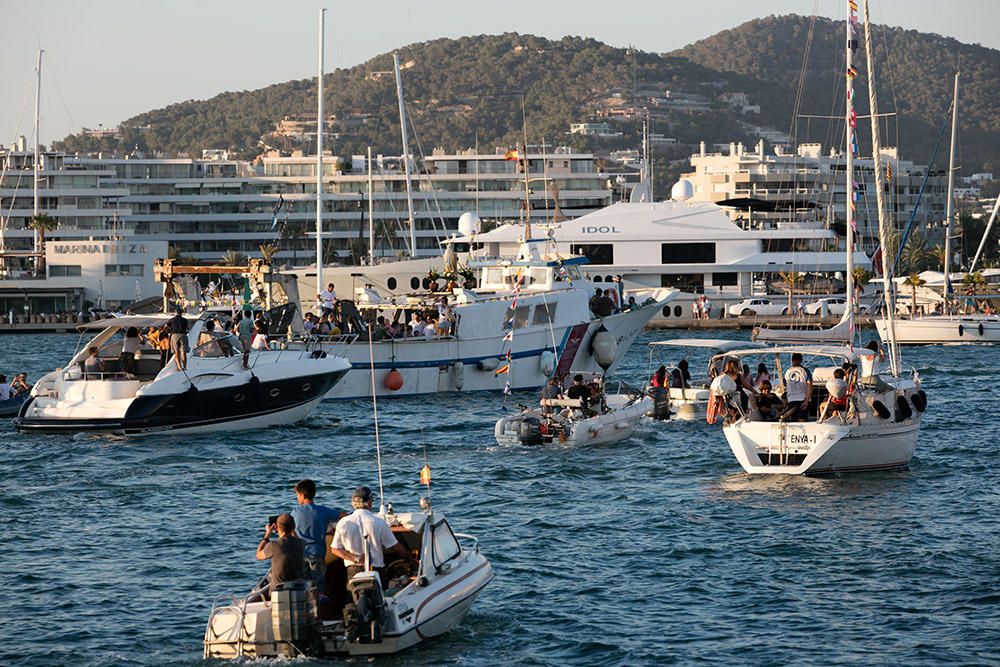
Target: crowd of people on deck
{"x": 424, "y": 322}
{"x": 300, "y": 552}
{"x": 611, "y": 300}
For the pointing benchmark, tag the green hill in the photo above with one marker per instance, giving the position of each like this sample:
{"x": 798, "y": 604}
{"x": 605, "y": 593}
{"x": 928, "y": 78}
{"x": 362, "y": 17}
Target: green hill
{"x": 463, "y": 91}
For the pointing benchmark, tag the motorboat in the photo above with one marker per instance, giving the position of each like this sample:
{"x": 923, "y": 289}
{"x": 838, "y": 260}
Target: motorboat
{"x": 215, "y": 393}
{"x": 876, "y": 431}
{"x": 610, "y": 415}
{"x": 9, "y": 407}
{"x": 941, "y": 328}
{"x": 688, "y": 403}
{"x": 527, "y": 318}
{"x": 415, "y": 604}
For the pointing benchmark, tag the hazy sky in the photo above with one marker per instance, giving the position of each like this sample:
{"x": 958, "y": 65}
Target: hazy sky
{"x": 107, "y": 60}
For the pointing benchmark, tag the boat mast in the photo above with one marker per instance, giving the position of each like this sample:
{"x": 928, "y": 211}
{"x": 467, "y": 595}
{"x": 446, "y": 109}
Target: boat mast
{"x": 986, "y": 235}
{"x": 524, "y": 161}
{"x": 406, "y": 151}
{"x": 883, "y": 224}
{"x": 319, "y": 156}
{"x": 949, "y": 214}
{"x": 850, "y": 121}
{"x": 37, "y": 162}
{"x": 371, "y": 212}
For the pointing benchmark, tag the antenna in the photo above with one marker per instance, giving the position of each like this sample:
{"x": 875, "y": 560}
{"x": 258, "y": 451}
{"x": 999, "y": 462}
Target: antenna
{"x": 378, "y": 444}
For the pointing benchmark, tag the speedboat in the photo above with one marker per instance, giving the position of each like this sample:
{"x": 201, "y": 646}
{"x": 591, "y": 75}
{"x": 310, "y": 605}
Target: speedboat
{"x": 214, "y": 393}
{"x": 415, "y": 604}
{"x": 939, "y": 329}
{"x": 689, "y": 403}
{"x": 876, "y": 431}
{"x": 609, "y": 416}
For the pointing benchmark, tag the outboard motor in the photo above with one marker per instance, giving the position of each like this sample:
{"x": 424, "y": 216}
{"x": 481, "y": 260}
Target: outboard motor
{"x": 531, "y": 430}
{"x": 661, "y": 403}
{"x": 364, "y": 617}
{"x": 293, "y": 617}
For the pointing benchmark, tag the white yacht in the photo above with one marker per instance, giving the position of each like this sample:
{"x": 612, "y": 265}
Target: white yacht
{"x": 214, "y": 393}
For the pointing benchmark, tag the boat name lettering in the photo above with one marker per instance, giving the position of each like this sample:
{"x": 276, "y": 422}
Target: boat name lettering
{"x": 801, "y": 439}
{"x": 603, "y": 229}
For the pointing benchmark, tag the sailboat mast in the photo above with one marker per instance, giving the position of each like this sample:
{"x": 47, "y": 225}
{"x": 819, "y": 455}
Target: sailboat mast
{"x": 406, "y": 151}
{"x": 950, "y": 212}
{"x": 883, "y": 224}
{"x": 371, "y": 212}
{"x": 319, "y": 155}
{"x": 850, "y": 121}
{"x": 37, "y": 162}
{"x": 986, "y": 235}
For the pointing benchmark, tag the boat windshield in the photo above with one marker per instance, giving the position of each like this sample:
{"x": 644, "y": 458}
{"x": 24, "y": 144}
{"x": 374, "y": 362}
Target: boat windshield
{"x": 213, "y": 345}
{"x": 446, "y": 545}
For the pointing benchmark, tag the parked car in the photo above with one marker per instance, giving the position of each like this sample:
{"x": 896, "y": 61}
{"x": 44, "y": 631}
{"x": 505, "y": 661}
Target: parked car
{"x": 835, "y": 305}
{"x": 757, "y": 306}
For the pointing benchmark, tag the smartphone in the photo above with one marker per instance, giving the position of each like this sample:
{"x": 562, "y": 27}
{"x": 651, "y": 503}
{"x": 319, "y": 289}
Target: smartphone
{"x": 272, "y": 520}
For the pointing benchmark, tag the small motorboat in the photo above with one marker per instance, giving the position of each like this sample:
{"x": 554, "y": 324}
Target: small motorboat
{"x": 215, "y": 393}
{"x": 10, "y": 407}
{"x": 416, "y": 603}
{"x": 608, "y": 416}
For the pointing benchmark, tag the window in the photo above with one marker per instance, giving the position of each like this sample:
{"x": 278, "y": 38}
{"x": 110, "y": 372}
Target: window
{"x": 64, "y": 270}
{"x": 598, "y": 279}
{"x": 414, "y": 283}
{"x": 123, "y": 269}
{"x": 446, "y": 545}
{"x": 517, "y": 317}
{"x": 687, "y": 253}
{"x": 724, "y": 279}
{"x": 597, "y": 253}
{"x": 544, "y": 313}
{"x": 391, "y": 282}
{"x": 688, "y": 282}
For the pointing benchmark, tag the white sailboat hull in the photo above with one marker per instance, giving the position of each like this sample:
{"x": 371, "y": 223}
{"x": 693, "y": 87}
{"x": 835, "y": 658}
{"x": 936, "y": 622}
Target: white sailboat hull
{"x": 938, "y": 329}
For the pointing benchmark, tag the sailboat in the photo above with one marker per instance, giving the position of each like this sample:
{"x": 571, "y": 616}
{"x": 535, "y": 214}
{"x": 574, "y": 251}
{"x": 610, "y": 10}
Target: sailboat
{"x": 852, "y": 416}
{"x": 949, "y": 326}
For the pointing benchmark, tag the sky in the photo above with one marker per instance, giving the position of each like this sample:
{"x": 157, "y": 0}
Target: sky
{"x": 108, "y": 60}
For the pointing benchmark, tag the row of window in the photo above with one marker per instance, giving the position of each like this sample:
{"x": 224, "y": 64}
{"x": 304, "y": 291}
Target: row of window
{"x": 670, "y": 253}
{"x": 110, "y": 270}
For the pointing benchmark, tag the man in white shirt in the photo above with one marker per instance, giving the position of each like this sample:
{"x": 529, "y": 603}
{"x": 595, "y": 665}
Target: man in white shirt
{"x": 362, "y": 534}
{"x": 431, "y": 329}
{"x": 327, "y": 298}
{"x": 798, "y": 390}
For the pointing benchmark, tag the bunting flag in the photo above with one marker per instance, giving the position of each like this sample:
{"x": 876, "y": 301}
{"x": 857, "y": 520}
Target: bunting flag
{"x": 506, "y": 388}
{"x": 877, "y": 261}
{"x": 888, "y": 171}
{"x": 425, "y": 475}
{"x": 508, "y": 336}
{"x": 512, "y": 155}
{"x": 508, "y": 356}
{"x": 274, "y": 214}
{"x": 853, "y": 5}
{"x": 503, "y": 369}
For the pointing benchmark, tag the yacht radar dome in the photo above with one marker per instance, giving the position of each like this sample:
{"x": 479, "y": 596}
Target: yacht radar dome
{"x": 682, "y": 190}
{"x": 468, "y": 223}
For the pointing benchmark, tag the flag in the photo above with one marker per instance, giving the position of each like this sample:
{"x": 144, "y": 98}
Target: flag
{"x": 852, "y": 71}
{"x": 877, "y": 261}
{"x": 853, "y": 118}
{"x": 274, "y": 214}
{"x": 503, "y": 369}
{"x": 425, "y": 474}
{"x": 508, "y": 336}
{"x": 507, "y": 356}
{"x": 853, "y": 5}
{"x": 512, "y": 155}
{"x": 506, "y": 388}
{"x": 888, "y": 171}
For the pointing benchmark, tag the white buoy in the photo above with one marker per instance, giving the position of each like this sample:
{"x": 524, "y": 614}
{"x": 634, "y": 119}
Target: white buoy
{"x": 603, "y": 348}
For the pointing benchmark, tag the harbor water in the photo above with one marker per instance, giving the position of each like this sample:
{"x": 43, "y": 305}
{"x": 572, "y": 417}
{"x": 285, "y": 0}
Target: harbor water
{"x": 658, "y": 550}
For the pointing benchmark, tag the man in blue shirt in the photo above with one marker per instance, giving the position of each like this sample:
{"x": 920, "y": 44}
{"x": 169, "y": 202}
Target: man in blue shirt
{"x": 310, "y": 525}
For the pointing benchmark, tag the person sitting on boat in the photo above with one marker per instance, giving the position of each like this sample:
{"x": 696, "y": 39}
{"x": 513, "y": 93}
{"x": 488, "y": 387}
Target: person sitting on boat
{"x": 431, "y": 329}
{"x": 19, "y": 385}
{"x": 285, "y": 553}
{"x": 177, "y": 327}
{"x": 610, "y": 295}
{"x": 768, "y": 404}
{"x": 762, "y": 376}
{"x": 309, "y": 324}
{"x": 579, "y": 390}
{"x": 551, "y": 390}
{"x": 680, "y": 377}
{"x": 312, "y": 520}
{"x": 207, "y": 342}
{"x": 631, "y": 305}
{"x": 659, "y": 379}
{"x": 5, "y": 389}
{"x": 364, "y": 533}
{"x": 836, "y": 405}
{"x": 798, "y": 390}
{"x": 130, "y": 347}
{"x": 744, "y": 387}
{"x": 598, "y": 293}
{"x": 93, "y": 366}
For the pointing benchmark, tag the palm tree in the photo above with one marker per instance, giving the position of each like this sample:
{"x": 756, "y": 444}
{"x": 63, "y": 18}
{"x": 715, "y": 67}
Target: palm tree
{"x": 267, "y": 251}
{"x": 42, "y": 222}
{"x": 233, "y": 258}
{"x": 861, "y": 278}
{"x": 792, "y": 279}
{"x": 914, "y": 281}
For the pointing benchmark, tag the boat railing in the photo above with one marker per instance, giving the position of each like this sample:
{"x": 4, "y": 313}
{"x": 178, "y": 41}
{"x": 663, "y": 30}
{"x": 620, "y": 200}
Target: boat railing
{"x": 469, "y": 538}
{"x": 229, "y": 601}
{"x": 74, "y": 373}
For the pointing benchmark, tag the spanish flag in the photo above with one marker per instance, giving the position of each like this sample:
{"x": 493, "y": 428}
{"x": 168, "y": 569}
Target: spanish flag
{"x": 512, "y": 155}
{"x": 888, "y": 171}
{"x": 853, "y": 5}
{"x": 503, "y": 369}
{"x": 852, "y": 71}
{"x": 425, "y": 475}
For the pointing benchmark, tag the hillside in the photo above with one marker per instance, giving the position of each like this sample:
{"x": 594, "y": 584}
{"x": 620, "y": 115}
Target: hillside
{"x": 460, "y": 91}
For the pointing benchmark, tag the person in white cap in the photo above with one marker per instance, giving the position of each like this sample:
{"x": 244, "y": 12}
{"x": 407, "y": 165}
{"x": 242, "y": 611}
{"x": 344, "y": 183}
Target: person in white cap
{"x": 364, "y": 531}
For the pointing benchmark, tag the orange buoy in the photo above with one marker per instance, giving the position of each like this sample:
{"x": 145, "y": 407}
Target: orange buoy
{"x": 393, "y": 380}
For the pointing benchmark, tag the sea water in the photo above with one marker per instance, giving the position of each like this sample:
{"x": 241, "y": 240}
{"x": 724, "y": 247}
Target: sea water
{"x": 656, "y": 550}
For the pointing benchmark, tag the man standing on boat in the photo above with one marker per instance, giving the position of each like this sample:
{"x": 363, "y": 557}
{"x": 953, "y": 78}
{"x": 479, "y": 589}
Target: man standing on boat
{"x": 312, "y": 520}
{"x": 285, "y": 553}
{"x": 362, "y": 534}
{"x": 177, "y": 327}
{"x": 328, "y": 298}
{"x": 798, "y": 390}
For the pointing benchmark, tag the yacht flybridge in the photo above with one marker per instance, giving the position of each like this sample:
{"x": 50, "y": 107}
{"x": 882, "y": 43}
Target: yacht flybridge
{"x": 214, "y": 393}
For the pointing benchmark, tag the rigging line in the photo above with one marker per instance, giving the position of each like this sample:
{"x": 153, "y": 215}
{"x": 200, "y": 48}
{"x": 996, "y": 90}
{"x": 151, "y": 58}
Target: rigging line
{"x": 55, "y": 82}
{"x": 6, "y": 164}
{"x": 794, "y": 123}
{"x": 437, "y": 204}
{"x": 378, "y": 444}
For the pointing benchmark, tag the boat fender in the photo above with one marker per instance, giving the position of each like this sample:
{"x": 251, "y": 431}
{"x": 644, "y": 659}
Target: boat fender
{"x": 919, "y": 400}
{"x": 393, "y": 380}
{"x": 980, "y": 328}
{"x": 458, "y": 374}
{"x": 880, "y": 409}
{"x": 603, "y": 347}
{"x": 547, "y": 362}
{"x": 715, "y": 404}
{"x": 489, "y": 364}
{"x": 318, "y": 354}
{"x": 723, "y": 386}
{"x": 903, "y": 410}
{"x": 961, "y": 330}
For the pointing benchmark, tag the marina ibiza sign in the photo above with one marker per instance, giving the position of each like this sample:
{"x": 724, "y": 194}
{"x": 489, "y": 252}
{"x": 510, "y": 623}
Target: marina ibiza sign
{"x": 85, "y": 248}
